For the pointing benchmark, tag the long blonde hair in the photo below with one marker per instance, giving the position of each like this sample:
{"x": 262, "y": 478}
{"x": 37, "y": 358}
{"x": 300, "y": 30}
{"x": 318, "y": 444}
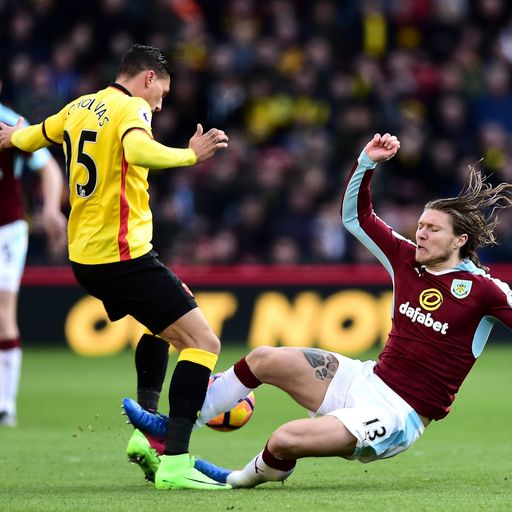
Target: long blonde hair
{"x": 475, "y": 212}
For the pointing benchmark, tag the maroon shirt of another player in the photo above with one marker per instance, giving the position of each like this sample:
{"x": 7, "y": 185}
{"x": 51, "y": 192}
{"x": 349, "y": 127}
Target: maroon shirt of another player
{"x": 11, "y": 167}
{"x": 441, "y": 321}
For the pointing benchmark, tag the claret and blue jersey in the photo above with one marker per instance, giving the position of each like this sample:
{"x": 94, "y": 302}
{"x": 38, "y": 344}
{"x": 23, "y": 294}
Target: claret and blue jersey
{"x": 12, "y": 162}
{"x": 441, "y": 321}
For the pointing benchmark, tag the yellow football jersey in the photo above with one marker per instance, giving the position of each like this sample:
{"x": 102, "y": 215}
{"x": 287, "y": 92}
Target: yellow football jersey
{"x": 110, "y": 219}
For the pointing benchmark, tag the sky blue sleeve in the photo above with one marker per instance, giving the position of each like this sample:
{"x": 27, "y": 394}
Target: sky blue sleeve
{"x": 36, "y": 160}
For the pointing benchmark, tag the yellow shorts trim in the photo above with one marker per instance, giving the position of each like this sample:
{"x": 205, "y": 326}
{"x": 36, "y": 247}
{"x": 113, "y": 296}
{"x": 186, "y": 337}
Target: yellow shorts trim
{"x": 199, "y": 356}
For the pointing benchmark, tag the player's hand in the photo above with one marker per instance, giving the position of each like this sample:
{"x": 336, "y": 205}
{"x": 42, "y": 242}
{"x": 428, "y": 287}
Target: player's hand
{"x": 55, "y": 225}
{"x": 382, "y": 147}
{"x": 6, "y": 132}
{"x": 205, "y": 145}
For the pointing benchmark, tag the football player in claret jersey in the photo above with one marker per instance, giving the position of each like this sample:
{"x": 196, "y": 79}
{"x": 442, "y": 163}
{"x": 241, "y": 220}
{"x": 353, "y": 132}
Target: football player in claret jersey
{"x": 445, "y": 304}
{"x": 108, "y": 145}
{"x": 13, "y": 249}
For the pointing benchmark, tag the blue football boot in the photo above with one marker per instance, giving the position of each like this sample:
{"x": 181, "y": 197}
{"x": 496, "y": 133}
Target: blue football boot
{"x": 211, "y": 470}
{"x": 151, "y": 423}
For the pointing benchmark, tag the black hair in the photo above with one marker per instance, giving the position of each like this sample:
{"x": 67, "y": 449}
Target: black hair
{"x": 140, "y": 58}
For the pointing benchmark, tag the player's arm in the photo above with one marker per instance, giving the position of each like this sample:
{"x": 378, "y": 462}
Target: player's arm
{"x": 357, "y": 210}
{"x": 27, "y": 139}
{"x": 498, "y": 302}
{"x": 140, "y": 149}
{"x": 34, "y": 137}
{"x": 356, "y": 204}
{"x": 54, "y": 221}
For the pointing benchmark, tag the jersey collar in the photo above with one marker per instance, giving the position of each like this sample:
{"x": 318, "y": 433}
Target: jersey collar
{"x": 466, "y": 265}
{"x": 121, "y": 88}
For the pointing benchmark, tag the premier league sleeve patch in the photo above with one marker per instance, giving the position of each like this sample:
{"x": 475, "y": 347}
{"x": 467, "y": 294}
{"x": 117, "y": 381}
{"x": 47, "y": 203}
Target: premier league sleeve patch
{"x": 145, "y": 115}
{"x": 461, "y": 288}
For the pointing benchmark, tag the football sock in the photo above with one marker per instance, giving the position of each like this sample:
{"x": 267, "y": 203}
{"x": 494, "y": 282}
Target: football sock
{"x": 232, "y": 386}
{"x": 186, "y": 395}
{"x": 262, "y": 468}
{"x": 245, "y": 375}
{"x": 151, "y": 358}
{"x": 285, "y": 465}
{"x": 10, "y": 369}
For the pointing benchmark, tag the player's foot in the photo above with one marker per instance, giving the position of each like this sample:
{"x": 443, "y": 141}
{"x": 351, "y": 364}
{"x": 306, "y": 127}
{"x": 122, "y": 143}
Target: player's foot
{"x": 214, "y": 472}
{"x": 178, "y": 472}
{"x": 141, "y": 452}
{"x": 7, "y": 419}
{"x": 153, "y": 424}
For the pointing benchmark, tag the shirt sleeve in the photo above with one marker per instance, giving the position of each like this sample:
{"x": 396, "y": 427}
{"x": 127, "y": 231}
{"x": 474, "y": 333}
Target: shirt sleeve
{"x": 30, "y": 139}
{"x": 140, "y": 149}
{"x": 53, "y": 126}
{"x": 499, "y": 302}
{"x": 360, "y": 219}
{"x": 38, "y": 159}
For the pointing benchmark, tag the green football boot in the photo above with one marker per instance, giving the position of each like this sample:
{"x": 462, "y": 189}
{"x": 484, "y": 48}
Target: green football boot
{"x": 140, "y": 452}
{"x": 178, "y": 472}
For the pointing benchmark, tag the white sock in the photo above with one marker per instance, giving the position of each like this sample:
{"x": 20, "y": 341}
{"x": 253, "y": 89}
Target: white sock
{"x": 10, "y": 368}
{"x": 255, "y": 473}
{"x": 222, "y": 395}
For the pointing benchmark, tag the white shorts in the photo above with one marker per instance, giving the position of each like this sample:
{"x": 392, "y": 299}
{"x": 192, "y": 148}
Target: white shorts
{"x": 383, "y": 423}
{"x": 13, "y": 251}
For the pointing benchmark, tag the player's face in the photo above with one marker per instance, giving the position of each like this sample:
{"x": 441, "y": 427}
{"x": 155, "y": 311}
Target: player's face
{"x": 156, "y": 92}
{"x": 437, "y": 245}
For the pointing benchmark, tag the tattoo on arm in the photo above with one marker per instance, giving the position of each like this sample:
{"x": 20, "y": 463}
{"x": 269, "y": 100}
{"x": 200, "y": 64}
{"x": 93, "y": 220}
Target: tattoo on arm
{"x": 324, "y": 363}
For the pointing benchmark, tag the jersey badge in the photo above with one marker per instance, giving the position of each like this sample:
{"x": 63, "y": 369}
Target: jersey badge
{"x": 145, "y": 116}
{"x": 461, "y": 288}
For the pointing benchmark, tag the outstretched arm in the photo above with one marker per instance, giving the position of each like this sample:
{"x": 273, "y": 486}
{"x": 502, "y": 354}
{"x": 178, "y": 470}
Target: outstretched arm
{"x": 27, "y": 139}
{"x": 141, "y": 150}
{"x": 357, "y": 209}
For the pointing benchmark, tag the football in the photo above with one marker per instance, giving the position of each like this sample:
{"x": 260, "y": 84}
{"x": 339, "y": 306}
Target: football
{"x": 236, "y": 417}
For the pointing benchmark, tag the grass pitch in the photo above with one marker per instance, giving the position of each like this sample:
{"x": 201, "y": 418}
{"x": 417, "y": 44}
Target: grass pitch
{"x": 67, "y": 453}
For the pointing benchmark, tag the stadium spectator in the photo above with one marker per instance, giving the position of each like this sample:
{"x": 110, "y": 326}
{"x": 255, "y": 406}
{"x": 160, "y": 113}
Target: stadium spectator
{"x": 444, "y": 306}
{"x": 280, "y": 73}
{"x": 109, "y": 147}
{"x": 13, "y": 249}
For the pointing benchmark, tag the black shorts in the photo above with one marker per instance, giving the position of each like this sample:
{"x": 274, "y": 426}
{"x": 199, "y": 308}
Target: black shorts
{"x": 143, "y": 288}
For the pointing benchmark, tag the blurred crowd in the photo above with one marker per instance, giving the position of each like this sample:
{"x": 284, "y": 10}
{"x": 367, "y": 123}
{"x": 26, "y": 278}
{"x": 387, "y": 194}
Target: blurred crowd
{"x": 299, "y": 86}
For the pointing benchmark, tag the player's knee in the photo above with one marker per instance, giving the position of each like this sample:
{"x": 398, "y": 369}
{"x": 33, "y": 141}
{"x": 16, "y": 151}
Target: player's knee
{"x": 261, "y": 361}
{"x": 210, "y": 344}
{"x": 8, "y": 327}
{"x": 284, "y": 443}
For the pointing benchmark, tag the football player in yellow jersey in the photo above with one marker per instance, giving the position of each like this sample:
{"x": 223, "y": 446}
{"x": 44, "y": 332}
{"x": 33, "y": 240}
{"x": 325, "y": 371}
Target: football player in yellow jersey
{"x": 109, "y": 147}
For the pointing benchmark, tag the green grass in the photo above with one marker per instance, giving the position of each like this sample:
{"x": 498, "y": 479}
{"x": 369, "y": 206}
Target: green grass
{"x": 67, "y": 453}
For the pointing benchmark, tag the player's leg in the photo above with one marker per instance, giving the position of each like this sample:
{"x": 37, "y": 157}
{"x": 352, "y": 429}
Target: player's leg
{"x": 151, "y": 359}
{"x": 10, "y": 358}
{"x": 303, "y": 373}
{"x": 153, "y": 295}
{"x": 199, "y": 348}
{"x": 313, "y": 437}
{"x": 13, "y": 250}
